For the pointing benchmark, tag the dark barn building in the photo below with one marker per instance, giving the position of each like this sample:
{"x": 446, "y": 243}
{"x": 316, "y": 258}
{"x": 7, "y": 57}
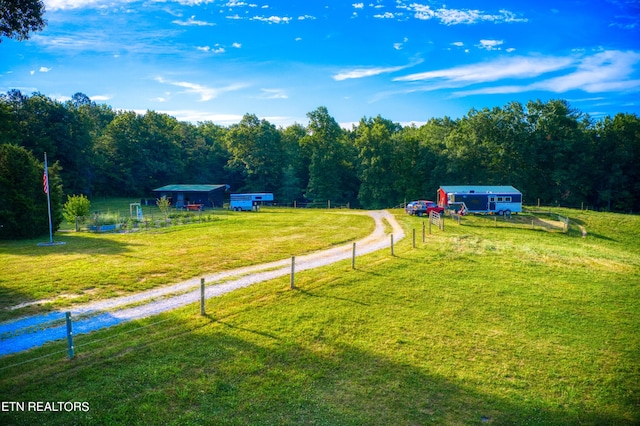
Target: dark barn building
{"x": 193, "y": 196}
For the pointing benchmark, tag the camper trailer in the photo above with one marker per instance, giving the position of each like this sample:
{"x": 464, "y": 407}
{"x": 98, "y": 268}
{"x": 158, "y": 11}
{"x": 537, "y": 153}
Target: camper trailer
{"x": 249, "y": 202}
{"x": 500, "y": 200}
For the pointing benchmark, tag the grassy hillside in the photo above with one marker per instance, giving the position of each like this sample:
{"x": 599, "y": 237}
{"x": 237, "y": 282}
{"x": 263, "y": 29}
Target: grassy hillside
{"x": 479, "y": 325}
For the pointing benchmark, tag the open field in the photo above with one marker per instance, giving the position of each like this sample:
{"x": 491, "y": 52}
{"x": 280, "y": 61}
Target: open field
{"x": 96, "y": 266}
{"x": 479, "y": 325}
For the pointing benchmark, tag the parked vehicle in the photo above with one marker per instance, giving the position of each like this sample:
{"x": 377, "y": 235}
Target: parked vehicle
{"x": 249, "y": 202}
{"x": 422, "y": 207}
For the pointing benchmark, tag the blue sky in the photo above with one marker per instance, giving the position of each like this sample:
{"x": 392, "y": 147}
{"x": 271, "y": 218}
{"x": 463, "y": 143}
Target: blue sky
{"x": 405, "y": 60}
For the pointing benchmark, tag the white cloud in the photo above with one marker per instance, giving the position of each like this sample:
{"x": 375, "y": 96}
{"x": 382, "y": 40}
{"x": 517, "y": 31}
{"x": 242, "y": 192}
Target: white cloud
{"x": 273, "y": 94}
{"x": 367, "y": 72}
{"x": 216, "y": 49}
{"x": 518, "y": 67}
{"x": 358, "y": 5}
{"x": 272, "y": 19}
{"x": 44, "y": 69}
{"x": 386, "y": 15}
{"x": 459, "y": 16}
{"x": 603, "y": 72}
{"x": 193, "y": 22}
{"x": 100, "y": 98}
{"x": 52, "y": 5}
{"x": 490, "y": 44}
{"x": 457, "y": 43}
{"x": 400, "y": 46}
{"x": 236, "y": 45}
{"x": 194, "y": 116}
{"x": 205, "y": 93}
{"x": 303, "y": 17}
{"x": 235, "y": 3}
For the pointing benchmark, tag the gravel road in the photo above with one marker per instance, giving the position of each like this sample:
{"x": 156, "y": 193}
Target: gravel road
{"x": 25, "y": 333}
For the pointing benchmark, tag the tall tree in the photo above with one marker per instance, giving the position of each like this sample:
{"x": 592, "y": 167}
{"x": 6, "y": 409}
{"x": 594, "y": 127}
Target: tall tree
{"x": 376, "y": 156}
{"x": 256, "y": 151}
{"x": 295, "y": 175}
{"x": 23, "y": 211}
{"x": 331, "y": 170}
{"x": 557, "y": 152}
{"x": 617, "y": 175}
{"x": 18, "y": 18}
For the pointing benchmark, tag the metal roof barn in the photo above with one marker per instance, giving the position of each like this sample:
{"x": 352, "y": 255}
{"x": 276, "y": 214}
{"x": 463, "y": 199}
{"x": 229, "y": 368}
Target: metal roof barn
{"x": 193, "y": 196}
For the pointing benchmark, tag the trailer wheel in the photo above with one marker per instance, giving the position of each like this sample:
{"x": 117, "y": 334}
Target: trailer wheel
{"x": 508, "y": 213}
{"x": 500, "y": 213}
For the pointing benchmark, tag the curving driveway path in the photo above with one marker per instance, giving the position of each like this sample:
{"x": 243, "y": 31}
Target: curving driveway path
{"x": 29, "y": 332}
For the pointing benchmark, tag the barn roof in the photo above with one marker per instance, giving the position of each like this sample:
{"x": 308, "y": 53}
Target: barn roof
{"x": 189, "y": 188}
{"x": 480, "y": 189}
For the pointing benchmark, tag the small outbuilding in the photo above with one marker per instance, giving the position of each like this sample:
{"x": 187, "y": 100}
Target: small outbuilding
{"x": 499, "y": 200}
{"x": 193, "y": 197}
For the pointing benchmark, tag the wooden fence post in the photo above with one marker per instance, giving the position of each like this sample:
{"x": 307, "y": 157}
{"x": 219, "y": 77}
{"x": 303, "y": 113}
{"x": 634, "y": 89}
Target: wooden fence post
{"x": 423, "y": 232}
{"x": 69, "y": 335}
{"x": 293, "y": 271}
{"x": 202, "y": 297}
{"x": 353, "y": 257}
{"x": 414, "y": 237}
{"x": 392, "y": 245}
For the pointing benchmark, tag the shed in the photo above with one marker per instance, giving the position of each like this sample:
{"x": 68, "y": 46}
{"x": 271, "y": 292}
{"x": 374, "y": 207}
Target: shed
{"x": 188, "y": 196}
{"x": 482, "y": 199}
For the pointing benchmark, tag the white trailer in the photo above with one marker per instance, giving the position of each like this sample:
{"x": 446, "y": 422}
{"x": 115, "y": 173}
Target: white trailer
{"x": 251, "y": 201}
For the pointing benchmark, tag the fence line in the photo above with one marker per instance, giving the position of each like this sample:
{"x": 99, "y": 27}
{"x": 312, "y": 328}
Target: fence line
{"x": 438, "y": 221}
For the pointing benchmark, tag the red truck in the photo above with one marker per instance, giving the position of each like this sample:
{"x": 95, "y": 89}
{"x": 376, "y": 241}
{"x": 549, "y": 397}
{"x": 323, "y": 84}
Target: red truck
{"x": 422, "y": 207}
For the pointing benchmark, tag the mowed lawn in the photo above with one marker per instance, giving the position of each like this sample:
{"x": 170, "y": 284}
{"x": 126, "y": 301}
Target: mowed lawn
{"x": 92, "y": 266}
{"x": 479, "y": 325}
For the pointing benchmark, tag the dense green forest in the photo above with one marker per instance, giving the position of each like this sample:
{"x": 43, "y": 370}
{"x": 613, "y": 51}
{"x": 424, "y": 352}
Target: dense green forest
{"x": 549, "y": 150}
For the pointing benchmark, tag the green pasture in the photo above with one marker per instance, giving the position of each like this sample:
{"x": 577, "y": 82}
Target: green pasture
{"x": 487, "y": 322}
{"x": 92, "y": 266}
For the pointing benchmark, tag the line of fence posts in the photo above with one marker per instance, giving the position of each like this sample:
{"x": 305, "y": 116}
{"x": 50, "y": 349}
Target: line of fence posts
{"x": 436, "y": 219}
{"x": 70, "y": 347}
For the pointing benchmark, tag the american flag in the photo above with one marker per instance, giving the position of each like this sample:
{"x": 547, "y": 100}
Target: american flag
{"x": 45, "y": 179}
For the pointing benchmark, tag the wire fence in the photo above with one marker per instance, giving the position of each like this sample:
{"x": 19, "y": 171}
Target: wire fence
{"x": 123, "y": 221}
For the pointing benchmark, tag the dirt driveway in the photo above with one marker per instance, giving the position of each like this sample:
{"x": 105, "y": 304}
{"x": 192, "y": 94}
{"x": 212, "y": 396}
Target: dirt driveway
{"x": 25, "y": 333}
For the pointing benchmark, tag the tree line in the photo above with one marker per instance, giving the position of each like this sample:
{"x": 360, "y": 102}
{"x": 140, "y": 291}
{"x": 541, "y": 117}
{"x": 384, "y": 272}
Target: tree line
{"x": 550, "y": 151}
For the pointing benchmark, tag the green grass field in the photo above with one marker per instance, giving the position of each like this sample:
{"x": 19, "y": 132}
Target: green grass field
{"x": 479, "y": 325}
{"x": 94, "y": 266}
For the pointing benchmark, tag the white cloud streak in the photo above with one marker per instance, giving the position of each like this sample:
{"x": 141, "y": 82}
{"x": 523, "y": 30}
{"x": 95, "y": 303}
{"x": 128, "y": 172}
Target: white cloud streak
{"x": 205, "y": 93}
{"x": 602, "y": 72}
{"x": 368, "y": 72}
{"x": 518, "y": 67}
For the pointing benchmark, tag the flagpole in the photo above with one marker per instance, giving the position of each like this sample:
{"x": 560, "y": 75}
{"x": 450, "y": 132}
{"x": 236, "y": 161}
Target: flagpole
{"x": 46, "y": 189}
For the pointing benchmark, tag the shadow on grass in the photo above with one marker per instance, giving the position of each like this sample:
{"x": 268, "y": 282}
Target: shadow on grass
{"x": 73, "y": 243}
{"x": 223, "y": 373}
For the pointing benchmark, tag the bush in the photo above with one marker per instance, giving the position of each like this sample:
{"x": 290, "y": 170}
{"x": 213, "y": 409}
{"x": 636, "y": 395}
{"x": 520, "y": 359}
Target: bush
{"x": 76, "y": 206}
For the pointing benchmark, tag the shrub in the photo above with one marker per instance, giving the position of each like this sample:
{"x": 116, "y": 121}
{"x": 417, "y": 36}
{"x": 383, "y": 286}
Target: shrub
{"x": 76, "y": 206}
